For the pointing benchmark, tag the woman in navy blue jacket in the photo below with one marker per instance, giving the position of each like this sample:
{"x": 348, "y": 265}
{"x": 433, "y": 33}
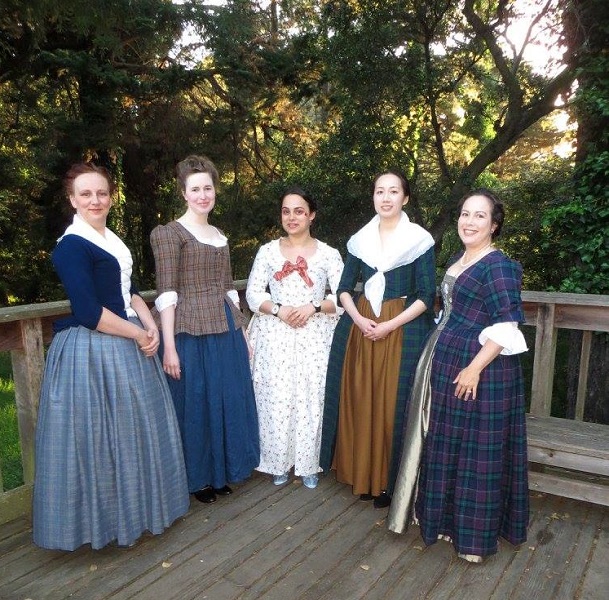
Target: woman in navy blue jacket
{"x": 109, "y": 463}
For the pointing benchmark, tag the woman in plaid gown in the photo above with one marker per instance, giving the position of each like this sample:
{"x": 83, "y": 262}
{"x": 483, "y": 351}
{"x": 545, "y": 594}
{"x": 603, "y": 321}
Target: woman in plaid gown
{"x": 377, "y": 343}
{"x": 204, "y": 350}
{"x": 109, "y": 461}
{"x": 473, "y": 485}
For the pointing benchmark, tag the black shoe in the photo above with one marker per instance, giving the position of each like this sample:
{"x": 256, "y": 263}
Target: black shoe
{"x": 366, "y": 497}
{"x": 382, "y": 501}
{"x": 223, "y": 491}
{"x": 206, "y": 495}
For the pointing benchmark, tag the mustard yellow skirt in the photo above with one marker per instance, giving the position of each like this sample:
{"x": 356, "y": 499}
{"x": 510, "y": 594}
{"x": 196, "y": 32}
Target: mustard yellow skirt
{"x": 368, "y": 396}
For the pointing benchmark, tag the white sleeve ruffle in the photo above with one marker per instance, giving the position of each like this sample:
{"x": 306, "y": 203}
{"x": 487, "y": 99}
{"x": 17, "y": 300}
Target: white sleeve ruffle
{"x": 234, "y": 296}
{"x": 166, "y": 299}
{"x": 507, "y": 335}
{"x": 333, "y": 298}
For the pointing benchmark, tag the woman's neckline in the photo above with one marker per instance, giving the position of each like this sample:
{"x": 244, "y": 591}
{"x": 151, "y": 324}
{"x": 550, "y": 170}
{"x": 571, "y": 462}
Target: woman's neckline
{"x": 468, "y": 265}
{"x": 315, "y": 246}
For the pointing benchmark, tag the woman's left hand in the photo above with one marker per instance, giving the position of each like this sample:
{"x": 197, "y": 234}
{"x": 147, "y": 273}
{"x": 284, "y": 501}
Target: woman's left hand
{"x": 467, "y": 383}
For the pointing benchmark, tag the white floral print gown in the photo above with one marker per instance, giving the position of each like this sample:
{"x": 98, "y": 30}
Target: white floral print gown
{"x": 289, "y": 364}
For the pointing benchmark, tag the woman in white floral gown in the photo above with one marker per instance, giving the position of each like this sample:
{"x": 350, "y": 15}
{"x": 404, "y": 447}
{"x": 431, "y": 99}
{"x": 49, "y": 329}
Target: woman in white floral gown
{"x": 290, "y": 334}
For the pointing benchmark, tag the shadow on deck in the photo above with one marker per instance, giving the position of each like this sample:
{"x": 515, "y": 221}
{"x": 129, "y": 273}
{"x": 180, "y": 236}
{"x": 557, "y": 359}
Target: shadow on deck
{"x": 294, "y": 543}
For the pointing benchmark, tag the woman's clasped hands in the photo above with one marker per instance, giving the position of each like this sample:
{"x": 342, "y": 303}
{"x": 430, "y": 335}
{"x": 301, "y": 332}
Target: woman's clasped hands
{"x": 296, "y": 316}
{"x": 374, "y": 331}
{"x": 148, "y": 340}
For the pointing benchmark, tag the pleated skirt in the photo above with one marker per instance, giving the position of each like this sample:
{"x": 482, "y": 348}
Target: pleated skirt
{"x": 368, "y": 397}
{"x": 109, "y": 463}
{"x": 216, "y": 408}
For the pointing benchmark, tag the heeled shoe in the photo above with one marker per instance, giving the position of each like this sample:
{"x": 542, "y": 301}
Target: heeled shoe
{"x": 383, "y": 500}
{"x": 223, "y": 491}
{"x": 206, "y": 495}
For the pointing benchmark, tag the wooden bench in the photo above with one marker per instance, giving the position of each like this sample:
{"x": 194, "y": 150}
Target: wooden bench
{"x": 578, "y": 453}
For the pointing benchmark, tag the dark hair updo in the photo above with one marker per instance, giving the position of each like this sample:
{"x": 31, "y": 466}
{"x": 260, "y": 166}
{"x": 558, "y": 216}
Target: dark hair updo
{"x": 497, "y": 210}
{"x": 195, "y": 164}
{"x": 298, "y": 191}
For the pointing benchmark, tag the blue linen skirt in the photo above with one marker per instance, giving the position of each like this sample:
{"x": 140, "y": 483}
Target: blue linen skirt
{"x": 109, "y": 462}
{"x": 216, "y": 408}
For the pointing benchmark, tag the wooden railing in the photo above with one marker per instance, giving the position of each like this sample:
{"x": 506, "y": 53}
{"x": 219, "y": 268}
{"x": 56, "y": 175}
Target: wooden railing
{"x": 24, "y": 331}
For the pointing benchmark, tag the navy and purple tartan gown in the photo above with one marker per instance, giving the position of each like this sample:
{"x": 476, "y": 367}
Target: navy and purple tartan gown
{"x": 473, "y": 485}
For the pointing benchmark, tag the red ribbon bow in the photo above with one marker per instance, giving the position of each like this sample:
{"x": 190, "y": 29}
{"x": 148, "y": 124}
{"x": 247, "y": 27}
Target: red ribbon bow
{"x": 300, "y": 266}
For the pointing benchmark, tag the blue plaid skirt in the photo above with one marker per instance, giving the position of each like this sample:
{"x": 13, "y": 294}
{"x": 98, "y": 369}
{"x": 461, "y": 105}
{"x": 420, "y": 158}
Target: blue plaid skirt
{"x": 109, "y": 463}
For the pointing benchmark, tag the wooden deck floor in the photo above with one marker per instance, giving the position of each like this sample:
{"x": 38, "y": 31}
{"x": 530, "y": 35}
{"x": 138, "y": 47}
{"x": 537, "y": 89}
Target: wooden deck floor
{"x": 293, "y": 543}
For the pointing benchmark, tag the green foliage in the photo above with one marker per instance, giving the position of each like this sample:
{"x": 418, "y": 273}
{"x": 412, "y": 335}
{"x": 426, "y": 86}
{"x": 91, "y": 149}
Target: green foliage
{"x": 322, "y": 94}
{"x": 10, "y": 450}
{"x": 583, "y": 221}
{"x": 584, "y": 229}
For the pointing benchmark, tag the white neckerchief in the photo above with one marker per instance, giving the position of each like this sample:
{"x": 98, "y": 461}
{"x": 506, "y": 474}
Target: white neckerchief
{"x": 407, "y": 242}
{"x": 113, "y": 245}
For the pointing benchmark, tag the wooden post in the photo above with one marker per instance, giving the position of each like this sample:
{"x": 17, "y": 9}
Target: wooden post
{"x": 543, "y": 364}
{"x": 582, "y": 382}
{"x": 28, "y": 365}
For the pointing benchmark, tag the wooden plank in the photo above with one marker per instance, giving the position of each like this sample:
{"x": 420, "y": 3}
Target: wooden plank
{"x": 565, "y": 298}
{"x": 594, "y": 584}
{"x": 577, "y": 564}
{"x": 554, "y": 544}
{"x": 567, "y": 460}
{"x": 543, "y": 362}
{"x": 15, "y": 503}
{"x": 570, "y": 488}
{"x": 587, "y": 318}
{"x": 582, "y": 382}
{"x": 28, "y": 365}
{"x": 577, "y": 437}
{"x": 34, "y": 311}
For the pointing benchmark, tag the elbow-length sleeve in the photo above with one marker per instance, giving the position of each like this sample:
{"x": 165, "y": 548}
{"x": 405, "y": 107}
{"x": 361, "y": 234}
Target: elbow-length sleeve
{"x": 166, "y": 248}
{"x": 425, "y": 276}
{"x": 350, "y": 276}
{"x": 258, "y": 280}
{"x": 74, "y": 264}
{"x": 502, "y": 291}
{"x": 334, "y": 271}
{"x": 504, "y": 306}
